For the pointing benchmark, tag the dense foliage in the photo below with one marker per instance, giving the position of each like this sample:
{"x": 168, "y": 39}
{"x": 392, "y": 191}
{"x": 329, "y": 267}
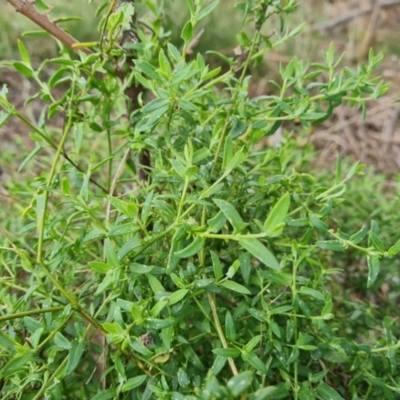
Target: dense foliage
{"x": 218, "y": 270}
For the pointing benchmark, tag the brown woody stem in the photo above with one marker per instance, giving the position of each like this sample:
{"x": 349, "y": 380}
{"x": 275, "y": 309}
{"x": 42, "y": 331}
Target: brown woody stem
{"x": 26, "y": 8}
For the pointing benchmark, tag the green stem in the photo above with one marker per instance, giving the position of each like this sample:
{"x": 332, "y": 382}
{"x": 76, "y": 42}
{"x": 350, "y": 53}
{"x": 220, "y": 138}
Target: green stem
{"x": 32, "y": 312}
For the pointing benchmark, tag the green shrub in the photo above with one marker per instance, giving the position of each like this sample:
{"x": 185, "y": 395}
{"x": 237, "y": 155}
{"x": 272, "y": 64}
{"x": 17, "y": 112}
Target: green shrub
{"x": 218, "y": 276}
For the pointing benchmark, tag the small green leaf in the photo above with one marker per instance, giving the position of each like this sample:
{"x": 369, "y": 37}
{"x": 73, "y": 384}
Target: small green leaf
{"x": 61, "y": 341}
{"x": 187, "y": 31}
{"x": 158, "y": 307}
{"x": 231, "y": 214}
{"x": 24, "y": 52}
{"x": 132, "y": 383}
{"x": 16, "y": 364}
{"x": 231, "y": 285}
{"x": 177, "y": 296}
{"x": 183, "y": 378}
{"x": 320, "y": 225}
{"x": 75, "y": 355}
{"x": 24, "y": 69}
{"x": 218, "y": 365}
{"x": 207, "y": 10}
{"x": 239, "y": 383}
{"x": 357, "y": 237}
{"x": 233, "y": 269}
{"x": 229, "y": 352}
{"x": 217, "y": 266}
{"x": 192, "y": 249}
{"x": 216, "y": 223}
{"x": 155, "y": 284}
{"x": 375, "y": 241}
{"x": 395, "y": 249}
{"x": 230, "y": 329}
{"x": 274, "y": 223}
{"x": 373, "y": 269}
{"x": 155, "y": 105}
{"x": 255, "y": 362}
{"x": 328, "y": 393}
{"x": 312, "y": 292}
{"x": 252, "y": 343}
{"x": 107, "y": 394}
{"x": 149, "y": 70}
{"x": 266, "y": 392}
{"x": 258, "y": 250}
{"x": 100, "y": 267}
{"x": 332, "y": 245}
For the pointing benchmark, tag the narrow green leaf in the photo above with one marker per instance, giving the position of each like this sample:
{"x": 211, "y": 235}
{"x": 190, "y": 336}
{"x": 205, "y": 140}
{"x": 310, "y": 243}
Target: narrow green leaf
{"x": 236, "y": 160}
{"x": 111, "y": 255}
{"x": 187, "y": 31}
{"x": 132, "y": 383}
{"x": 177, "y": 296}
{"x": 207, "y": 10}
{"x": 75, "y": 355}
{"x": 274, "y": 223}
{"x": 233, "y": 269}
{"x": 24, "y": 69}
{"x": 155, "y": 284}
{"x": 255, "y": 362}
{"x": 231, "y": 214}
{"x": 332, "y": 245}
{"x": 230, "y": 329}
{"x": 16, "y": 364}
{"x": 258, "y": 250}
{"x": 312, "y": 292}
{"x": 192, "y": 249}
{"x": 149, "y": 70}
{"x": 373, "y": 269}
{"x": 167, "y": 335}
{"x": 328, "y": 393}
{"x": 239, "y": 383}
{"x": 245, "y": 266}
{"x": 100, "y": 267}
{"x": 231, "y": 285}
{"x": 158, "y": 307}
{"x": 61, "y": 341}
{"x": 320, "y": 225}
{"x": 218, "y": 365}
{"x": 357, "y": 237}
{"x": 252, "y": 343}
{"x": 216, "y": 223}
{"x": 376, "y": 241}
{"x": 24, "y": 52}
{"x": 229, "y": 352}
{"x": 107, "y": 394}
{"x": 217, "y": 266}
{"x": 395, "y": 249}
{"x": 266, "y": 392}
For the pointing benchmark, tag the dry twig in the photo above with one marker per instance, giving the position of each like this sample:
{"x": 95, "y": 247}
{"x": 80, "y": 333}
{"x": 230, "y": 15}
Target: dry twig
{"x": 343, "y": 19}
{"x": 26, "y": 8}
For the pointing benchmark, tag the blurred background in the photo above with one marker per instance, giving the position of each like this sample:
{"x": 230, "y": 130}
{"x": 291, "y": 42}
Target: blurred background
{"x": 354, "y": 26}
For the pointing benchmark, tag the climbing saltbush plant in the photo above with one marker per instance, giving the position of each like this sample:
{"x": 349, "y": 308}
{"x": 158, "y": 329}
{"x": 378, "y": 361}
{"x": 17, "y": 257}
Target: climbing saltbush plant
{"x": 215, "y": 269}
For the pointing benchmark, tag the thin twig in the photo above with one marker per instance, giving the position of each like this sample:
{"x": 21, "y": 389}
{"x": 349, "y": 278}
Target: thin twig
{"x": 343, "y": 19}
{"x": 26, "y": 8}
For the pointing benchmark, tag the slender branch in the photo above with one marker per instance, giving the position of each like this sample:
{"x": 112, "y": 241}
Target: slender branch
{"x": 31, "y": 312}
{"x": 343, "y": 19}
{"x": 26, "y": 8}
